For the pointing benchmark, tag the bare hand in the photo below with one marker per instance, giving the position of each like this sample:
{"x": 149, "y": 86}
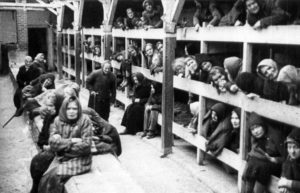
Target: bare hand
{"x": 284, "y": 183}
{"x": 257, "y": 26}
{"x": 252, "y": 96}
{"x": 197, "y": 27}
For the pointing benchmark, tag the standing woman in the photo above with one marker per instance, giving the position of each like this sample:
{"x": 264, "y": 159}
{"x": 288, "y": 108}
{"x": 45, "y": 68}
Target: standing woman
{"x": 133, "y": 117}
{"x": 70, "y": 139}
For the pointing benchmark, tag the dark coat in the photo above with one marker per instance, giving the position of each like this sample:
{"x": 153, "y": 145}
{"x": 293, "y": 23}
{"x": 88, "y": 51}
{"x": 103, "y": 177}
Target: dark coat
{"x": 269, "y": 14}
{"x": 25, "y": 77}
{"x": 291, "y": 171}
{"x": 133, "y": 117}
{"x": 153, "y": 18}
{"x": 237, "y": 12}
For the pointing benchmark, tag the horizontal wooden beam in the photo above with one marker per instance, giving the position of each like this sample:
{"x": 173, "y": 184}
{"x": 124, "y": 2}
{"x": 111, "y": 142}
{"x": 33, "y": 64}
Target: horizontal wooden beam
{"x": 29, "y": 5}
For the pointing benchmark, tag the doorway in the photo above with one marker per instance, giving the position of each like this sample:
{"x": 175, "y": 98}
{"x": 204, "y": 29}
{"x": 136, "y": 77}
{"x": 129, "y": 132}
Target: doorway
{"x": 37, "y": 41}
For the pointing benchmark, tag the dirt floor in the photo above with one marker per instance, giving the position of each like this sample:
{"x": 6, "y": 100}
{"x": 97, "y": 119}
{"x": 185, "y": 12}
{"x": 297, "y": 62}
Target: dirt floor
{"x": 16, "y": 146}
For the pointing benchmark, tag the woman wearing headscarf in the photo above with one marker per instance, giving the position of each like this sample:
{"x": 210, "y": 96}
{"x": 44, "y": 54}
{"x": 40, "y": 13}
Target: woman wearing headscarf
{"x": 226, "y": 134}
{"x": 133, "y": 117}
{"x": 70, "y": 139}
{"x": 212, "y": 118}
{"x": 152, "y": 15}
{"x": 40, "y": 63}
{"x": 263, "y": 13}
{"x": 266, "y": 155}
{"x": 233, "y": 66}
{"x": 268, "y": 69}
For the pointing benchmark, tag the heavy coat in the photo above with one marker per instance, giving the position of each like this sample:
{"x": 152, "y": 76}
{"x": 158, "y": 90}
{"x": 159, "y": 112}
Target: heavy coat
{"x": 269, "y": 14}
{"x": 133, "y": 117}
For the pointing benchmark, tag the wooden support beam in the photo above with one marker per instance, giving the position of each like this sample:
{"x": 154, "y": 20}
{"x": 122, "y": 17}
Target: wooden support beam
{"x": 50, "y": 48}
{"x": 247, "y": 57}
{"x": 172, "y": 10}
{"x": 167, "y": 95}
{"x": 202, "y": 111}
{"x": 59, "y": 53}
{"x": 109, "y": 9}
{"x": 107, "y": 44}
{"x": 50, "y": 9}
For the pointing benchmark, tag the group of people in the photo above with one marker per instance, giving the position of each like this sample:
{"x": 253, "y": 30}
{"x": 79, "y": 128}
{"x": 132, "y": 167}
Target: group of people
{"x": 69, "y": 133}
{"x": 257, "y": 13}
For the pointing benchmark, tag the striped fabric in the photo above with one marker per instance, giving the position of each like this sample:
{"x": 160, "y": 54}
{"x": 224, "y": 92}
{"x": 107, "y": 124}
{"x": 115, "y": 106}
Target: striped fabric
{"x": 74, "y": 158}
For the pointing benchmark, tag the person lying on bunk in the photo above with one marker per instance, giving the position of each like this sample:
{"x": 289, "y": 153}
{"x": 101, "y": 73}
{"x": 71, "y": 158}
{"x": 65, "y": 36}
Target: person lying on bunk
{"x": 152, "y": 15}
{"x": 131, "y": 21}
{"x": 26, "y": 74}
{"x": 71, "y": 140}
{"x": 236, "y": 16}
{"x": 219, "y": 80}
{"x": 266, "y": 154}
{"x": 263, "y": 13}
{"x": 119, "y": 23}
{"x": 152, "y": 110}
{"x": 209, "y": 13}
{"x": 227, "y": 134}
{"x": 289, "y": 181}
{"x": 133, "y": 117}
{"x": 254, "y": 86}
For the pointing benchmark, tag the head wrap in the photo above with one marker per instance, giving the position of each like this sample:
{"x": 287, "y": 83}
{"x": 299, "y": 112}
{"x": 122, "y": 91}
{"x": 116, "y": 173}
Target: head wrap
{"x": 266, "y": 62}
{"x": 220, "y": 109}
{"x": 294, "y": 137}
{"x": 250, "y": 83}
{"x": 147, "y": 2}
{"x": 233, "y": 66}
{"x": 139, "y": 76}
{"x": 256, "y": 120}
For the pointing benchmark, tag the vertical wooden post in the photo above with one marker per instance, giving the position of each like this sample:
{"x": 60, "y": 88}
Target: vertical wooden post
{"x": 167, "y": 95}
{"x": 50, "y": 48}
{"x": 107, "y": 42}
{"x": 68, "y": 50}
{"x": 77, "y": 56}
{"x": 143, "y": 57}
{"x": 59, "y": 39}
{"x": 83, "y": 62}
{"x": 244, "y": 135}
{"x": 202, "y": 110}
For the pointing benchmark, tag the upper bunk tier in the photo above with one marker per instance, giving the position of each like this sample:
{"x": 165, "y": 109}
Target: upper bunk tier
{"x": 272, "y": 35}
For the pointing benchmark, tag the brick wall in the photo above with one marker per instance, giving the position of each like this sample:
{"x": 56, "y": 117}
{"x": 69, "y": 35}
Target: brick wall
{"x": 8, "y": 33}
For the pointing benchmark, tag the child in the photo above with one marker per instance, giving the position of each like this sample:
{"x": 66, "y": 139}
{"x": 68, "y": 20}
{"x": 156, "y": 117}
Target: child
{"x": 290, "y": 176}
{"x": 265, "y": 157}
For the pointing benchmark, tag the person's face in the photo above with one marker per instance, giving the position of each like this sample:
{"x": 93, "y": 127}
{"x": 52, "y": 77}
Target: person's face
{"x": 214, "y": 116}
{"x": 28, "y": 63}
{"x": 235, "y": 120}
{"x": 120, "y": 24}
{"x": 50, "y": 107}
{"x": 152, "y": 89}
{"x": 252, "y": 6}
{"x": 192, "y": 65}
{"x": 159, "y": 47}
{"x": 130, "y": 13}
{"x": 135, "y": 80}
{"x": 206, "y": 66}
{"x": 219, "y": 79}
{"x": 149, "y": 50}
{"x": 180, "y": 69}
{"x": 48, "y": 82}
{"x": 72, "y": 110}
{"x": 293, "y": 150}
{"x": 257, "y": 131}
{"x": 148, "y": 7}
{"x": 106, "y": 68}
{"x": 132, "y": 52}
{"x": 97, "y": 50}
{"x": 269, "y": 72}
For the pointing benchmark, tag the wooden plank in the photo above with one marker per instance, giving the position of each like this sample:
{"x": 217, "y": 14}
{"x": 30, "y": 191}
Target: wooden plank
{"x": 77, "y": 57}
{"x": 42, "y": 3}
{"x": 93, "y": 31}
{"x": 202, "y": 111}
{"x": 59, "y": 55}
{"x": 167, "y": 95}
{"x": 247, "y": 57}
{"x": 151, "y": 34}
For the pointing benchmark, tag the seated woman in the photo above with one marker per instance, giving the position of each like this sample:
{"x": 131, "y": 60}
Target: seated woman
{"x": 156, "y": 63}
{"x": 266, "y": 155}
{"x": 227, "y": 134}
{"x": 209, "y": 14}
{"x": 148, "y": 53}
{"x": 70, "y": 139}
{"x": 212, "y": 118}
{"x": 290, "y": 177}
{"x": 133, "y": 117}
{"x": 131, "y": 21}
{"x": 263, "y": 13}
{"x": 268, "y": 69}
{"x": 151, "y": 15}
{"x": 152, "y": 109}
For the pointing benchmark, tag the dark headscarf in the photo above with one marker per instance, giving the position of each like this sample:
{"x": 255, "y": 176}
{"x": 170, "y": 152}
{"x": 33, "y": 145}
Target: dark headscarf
{"x": 202, "y": 58}
{"x": 294, "y": 137}
{"x": 237, "y": 111}
{"x": 233, "y": 66}
{"x": 139, "y": 76}
{"x": 250, "y": 83}
{"x": 220, "y": 109}
{"x": 63, "y": 110}
{"x": 149, "y": 2}
{"x": 255, "y": 119}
